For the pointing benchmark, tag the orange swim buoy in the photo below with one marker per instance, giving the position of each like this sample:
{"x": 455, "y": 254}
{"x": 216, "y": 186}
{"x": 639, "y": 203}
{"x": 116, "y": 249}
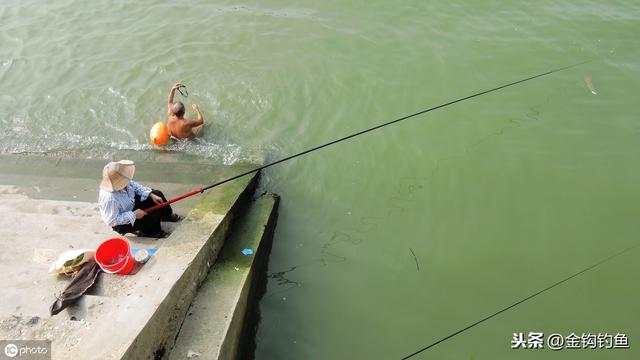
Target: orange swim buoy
{"x": 159, "y": 133}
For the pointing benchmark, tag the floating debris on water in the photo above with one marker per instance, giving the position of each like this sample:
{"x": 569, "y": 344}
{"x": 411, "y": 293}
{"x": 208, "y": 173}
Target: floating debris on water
{"x": 589, "y": 83}
{"x": 192, "y": 354}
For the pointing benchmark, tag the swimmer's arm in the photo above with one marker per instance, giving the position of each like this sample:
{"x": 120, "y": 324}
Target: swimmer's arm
{"x": 172, "y": 92}
{"x": 200, "y": 120}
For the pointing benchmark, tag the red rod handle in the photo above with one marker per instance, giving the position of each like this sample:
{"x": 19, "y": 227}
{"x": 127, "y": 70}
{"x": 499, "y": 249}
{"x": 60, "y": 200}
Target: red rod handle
{"x": 171, "y": 201}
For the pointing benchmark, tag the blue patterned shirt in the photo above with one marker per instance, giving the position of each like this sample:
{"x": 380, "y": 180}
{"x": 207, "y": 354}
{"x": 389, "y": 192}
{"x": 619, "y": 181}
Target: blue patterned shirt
{"x": 116, "y": 208}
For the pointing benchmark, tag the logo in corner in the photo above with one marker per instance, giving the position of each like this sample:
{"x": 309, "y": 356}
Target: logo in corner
{"x": 11, "y": 350}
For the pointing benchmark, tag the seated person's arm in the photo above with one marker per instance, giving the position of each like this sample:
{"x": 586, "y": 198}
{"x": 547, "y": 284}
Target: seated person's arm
{"x": 138, "y": 189}
{"x": 172, "y": 92}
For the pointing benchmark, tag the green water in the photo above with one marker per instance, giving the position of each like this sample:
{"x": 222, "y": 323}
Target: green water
{"x": 497, "y": 197}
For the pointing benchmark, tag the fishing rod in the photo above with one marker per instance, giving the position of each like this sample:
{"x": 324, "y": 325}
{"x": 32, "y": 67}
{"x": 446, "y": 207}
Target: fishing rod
{"x": 203, "y": 189}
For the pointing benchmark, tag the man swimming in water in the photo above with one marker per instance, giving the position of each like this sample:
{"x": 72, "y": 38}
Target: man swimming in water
{"x": 179, "y": 126}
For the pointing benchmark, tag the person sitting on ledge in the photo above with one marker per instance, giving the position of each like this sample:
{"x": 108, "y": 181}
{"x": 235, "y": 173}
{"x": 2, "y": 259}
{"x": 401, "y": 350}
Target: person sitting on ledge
{"x": 179, "y": 126}
{"x": 122, "y": 202}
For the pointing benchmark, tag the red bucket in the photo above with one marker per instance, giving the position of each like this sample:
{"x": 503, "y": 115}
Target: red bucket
{"x": 114, "y": 256}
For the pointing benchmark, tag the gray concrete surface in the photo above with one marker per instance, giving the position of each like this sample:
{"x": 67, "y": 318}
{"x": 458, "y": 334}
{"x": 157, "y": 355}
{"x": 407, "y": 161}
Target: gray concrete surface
{"x": 49, "y": 205}
{"x": 214, "y": 326}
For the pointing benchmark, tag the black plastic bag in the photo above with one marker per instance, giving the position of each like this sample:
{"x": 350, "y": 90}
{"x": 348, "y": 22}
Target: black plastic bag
{"x": 81, "y": 282}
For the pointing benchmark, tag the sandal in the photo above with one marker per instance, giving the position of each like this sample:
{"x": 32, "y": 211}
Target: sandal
{"x": 174, "y": 218}
{"x": 159, "y": 235}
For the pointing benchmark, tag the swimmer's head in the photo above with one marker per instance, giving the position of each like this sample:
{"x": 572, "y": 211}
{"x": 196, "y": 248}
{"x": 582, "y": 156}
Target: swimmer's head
{"x": 177, "y": 109}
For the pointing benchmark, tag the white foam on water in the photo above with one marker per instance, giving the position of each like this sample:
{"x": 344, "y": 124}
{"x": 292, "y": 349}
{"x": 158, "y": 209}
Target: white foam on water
{"x": 23, "y": 140}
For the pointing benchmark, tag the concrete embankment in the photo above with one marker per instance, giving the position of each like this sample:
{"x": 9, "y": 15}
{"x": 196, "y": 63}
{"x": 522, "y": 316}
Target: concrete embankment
{"x": 216, "y": 326}
{"x": 49, "y": 205}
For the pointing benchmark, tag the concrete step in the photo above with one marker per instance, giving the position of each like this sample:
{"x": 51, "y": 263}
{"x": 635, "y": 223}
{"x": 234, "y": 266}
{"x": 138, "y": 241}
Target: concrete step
{"x": 216, "y": 319}
{"x": 86, "y": 189}
{"x": 130, "y": 317}
{"x": 45, "y": 229}
{"x": 167, "y": 168}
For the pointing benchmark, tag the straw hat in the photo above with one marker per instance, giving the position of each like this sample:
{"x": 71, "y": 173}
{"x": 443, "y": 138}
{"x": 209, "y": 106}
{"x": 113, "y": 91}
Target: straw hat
{"x": 116, "y": 175}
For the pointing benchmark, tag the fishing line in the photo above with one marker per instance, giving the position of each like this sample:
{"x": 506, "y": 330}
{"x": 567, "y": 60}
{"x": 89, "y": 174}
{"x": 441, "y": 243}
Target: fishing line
{"x": 520, "y": 302}
{"x": 415, "y": 259}
{"x": 344, "y": 138}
